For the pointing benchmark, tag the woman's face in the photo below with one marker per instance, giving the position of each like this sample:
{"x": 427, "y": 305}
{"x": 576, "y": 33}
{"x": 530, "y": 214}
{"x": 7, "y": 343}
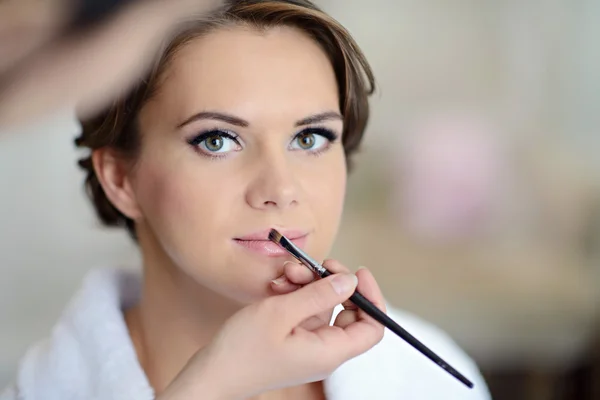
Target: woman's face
{"x": 244, "y": 135}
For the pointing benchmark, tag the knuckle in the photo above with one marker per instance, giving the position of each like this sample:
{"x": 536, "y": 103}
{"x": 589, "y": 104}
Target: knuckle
{"x": 305, "y": 274}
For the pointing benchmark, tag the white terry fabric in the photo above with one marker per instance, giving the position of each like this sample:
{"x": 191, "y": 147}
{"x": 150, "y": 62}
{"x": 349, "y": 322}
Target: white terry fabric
{"x": 90, "y": 356}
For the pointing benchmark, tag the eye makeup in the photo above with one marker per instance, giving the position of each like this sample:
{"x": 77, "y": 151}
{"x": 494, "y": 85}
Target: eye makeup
{"x": 218, "y": 143}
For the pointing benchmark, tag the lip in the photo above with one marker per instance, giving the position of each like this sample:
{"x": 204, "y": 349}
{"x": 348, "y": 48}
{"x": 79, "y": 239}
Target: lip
{"x": 258, "y": 242}
{"x": 264, "y": 234}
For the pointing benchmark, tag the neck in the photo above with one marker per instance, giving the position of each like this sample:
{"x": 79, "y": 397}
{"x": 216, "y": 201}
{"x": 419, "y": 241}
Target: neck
{"x": 174, "y": 319}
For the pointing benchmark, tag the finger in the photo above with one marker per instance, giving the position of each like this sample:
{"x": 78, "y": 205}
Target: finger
{"x": 365, "y": 286}
{"x": 356, "y": 337}
{"x": 368, "y": 287}
{"x": 282, "y": 285}
{"x": 86, "y": 70}
{"x": 297, "y": 273}
{"x": 29, "y": 27}
{"x": 349, "y": 305}
{"x": 342, "y": 343}
{"x": 362, "y": 333}
{"x": 300, "y": 275}
{"x": 316, "y": 321}
{"x": 314, "y": 298}
{"x": 353, "y": 331}
{"x": 362, "y": 330}
{"x": 345, "y": 318}
{"x": 335, "y": 266}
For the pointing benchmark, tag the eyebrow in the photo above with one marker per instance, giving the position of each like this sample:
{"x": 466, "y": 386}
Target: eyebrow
{"x": 230, "y": 119}
{"x": 322, "y": 117}
{"x": 233, "y": 120}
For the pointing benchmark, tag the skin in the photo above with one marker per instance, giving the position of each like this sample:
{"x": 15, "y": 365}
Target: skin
{"x": 46, "y": 68}
{"x": 265, "y": 346}
{"x": 189, "y": 203}
{"x": 277, "y": 342}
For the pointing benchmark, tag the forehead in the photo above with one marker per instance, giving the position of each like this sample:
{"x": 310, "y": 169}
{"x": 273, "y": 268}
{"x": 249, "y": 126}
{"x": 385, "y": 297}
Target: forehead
{"x": 279, "y": 71}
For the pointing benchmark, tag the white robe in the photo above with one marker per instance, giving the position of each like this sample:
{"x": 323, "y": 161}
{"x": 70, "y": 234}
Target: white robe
{"x": 90, "y": 356}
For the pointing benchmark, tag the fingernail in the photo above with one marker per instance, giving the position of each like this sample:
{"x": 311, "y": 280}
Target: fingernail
{"x": 362, "y": 267}
{"x": 288, "y": 262}
{"x": 282, "y": 279}
{"x": 344, "y": 283}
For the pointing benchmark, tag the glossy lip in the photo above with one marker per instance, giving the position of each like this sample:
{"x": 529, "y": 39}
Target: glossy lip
{"x": 264, "y": 234}
{"x": 258, "y": 242}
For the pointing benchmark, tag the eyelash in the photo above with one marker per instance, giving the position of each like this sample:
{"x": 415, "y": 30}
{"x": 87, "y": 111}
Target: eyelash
{"x": 325, "y": 132}
{"x": 195, "y": 141}
{"x": 328, "y": 134}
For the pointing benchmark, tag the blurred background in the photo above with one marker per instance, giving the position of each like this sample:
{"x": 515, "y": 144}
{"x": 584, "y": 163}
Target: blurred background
{"x": 479, "y": 172}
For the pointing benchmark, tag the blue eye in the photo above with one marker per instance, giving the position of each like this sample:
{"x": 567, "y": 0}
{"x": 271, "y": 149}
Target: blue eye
{"x": 313, "y": 139}
{"x": 215, "y": 142}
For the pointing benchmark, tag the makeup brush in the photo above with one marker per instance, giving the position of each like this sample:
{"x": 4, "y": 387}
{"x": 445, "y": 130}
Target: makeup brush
{"x": 361, "y": 302}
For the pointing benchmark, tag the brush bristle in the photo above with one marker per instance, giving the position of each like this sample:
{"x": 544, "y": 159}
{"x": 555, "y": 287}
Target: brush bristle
{"x": 275, "y": 236}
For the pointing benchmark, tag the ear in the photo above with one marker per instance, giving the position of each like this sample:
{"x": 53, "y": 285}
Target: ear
{"x": 113, "y": 173}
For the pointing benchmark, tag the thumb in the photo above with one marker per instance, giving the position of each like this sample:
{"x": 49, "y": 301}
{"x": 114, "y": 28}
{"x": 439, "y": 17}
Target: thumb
{"x": 318, "y": 296}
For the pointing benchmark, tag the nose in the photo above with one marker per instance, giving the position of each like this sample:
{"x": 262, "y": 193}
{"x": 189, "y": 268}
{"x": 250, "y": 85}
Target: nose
{"x": 274, "y": 185}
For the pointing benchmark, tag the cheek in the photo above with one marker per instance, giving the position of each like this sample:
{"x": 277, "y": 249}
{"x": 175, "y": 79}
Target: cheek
{"x": 333, "y": 183}
{"x": 332, "y": 190}
{"x": 161, "y": 193}
{"x": 326, "y": 188}
{"x": 177, "y": 199}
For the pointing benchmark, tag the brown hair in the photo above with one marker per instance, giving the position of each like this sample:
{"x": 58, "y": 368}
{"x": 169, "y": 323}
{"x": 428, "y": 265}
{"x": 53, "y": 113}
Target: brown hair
{"x": 116, "y": 127}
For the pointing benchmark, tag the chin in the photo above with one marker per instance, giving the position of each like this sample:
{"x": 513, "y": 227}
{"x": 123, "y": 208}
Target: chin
{"x": 241, "y": 289}
{"x": 249, "y": 296}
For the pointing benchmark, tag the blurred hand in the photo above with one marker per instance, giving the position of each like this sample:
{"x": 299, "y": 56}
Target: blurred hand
{"x": 284, "y": 340}
{"x": 44, "y": 67}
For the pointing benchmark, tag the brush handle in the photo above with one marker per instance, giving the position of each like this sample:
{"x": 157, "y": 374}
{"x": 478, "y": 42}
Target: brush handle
{"x": 361, "y": 302}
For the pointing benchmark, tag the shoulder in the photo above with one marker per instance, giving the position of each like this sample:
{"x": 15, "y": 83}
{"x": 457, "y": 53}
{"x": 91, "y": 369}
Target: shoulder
{"x": 393, "y": 369}
{"x": 88, "y": 354}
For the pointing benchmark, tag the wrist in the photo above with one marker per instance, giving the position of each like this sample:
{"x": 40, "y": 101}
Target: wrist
{"x": 202, "y": 379}
{"x": 185, "y": 389}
